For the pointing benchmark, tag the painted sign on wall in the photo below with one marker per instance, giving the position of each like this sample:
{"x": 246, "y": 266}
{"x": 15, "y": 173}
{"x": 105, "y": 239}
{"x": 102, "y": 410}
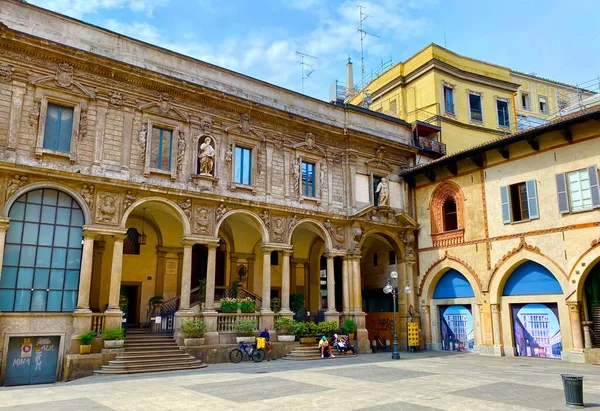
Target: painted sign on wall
{"x": 536, "y": 330}
{"x": 31, "y": 360}
{"x": 456, "y": 323}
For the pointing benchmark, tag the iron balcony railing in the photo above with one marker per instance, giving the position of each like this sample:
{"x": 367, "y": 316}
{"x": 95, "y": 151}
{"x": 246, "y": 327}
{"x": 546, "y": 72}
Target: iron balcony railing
{"x": 431, "y": 145}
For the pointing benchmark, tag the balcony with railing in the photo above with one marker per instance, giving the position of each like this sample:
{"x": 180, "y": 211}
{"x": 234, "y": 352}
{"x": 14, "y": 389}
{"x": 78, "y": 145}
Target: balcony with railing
{"x": 427, "y": 129}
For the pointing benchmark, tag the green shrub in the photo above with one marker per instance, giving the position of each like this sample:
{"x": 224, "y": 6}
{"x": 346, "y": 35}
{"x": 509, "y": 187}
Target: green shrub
{"x": 111, "y": 334}
{"x": 307, "y": 329}
{"x": 235, "y": 287}
{"x": 275, "y": 305}
{"x": 349, "y": 326}
{"x": 245, "y": 328}
{"x": 157, "y": 299}
{"x": 193, "y": 328}
{"x": 284, "y": 326}
{"x": 229, "y": 305}
{"x": 327, "y": 328}
{"x": 87, "y": 337}
{"x": 247, "y": 305}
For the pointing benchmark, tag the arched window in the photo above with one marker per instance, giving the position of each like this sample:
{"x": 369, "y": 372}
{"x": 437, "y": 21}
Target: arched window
{"x": 131, "y": 245}
{"x": 450, "y": 215}
{"x": 42, "y": 256}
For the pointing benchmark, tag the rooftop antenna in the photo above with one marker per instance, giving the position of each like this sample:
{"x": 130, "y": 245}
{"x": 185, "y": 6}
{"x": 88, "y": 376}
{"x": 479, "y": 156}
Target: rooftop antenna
{"x": 305, "y": 66}
{"x": 363, "y": 34}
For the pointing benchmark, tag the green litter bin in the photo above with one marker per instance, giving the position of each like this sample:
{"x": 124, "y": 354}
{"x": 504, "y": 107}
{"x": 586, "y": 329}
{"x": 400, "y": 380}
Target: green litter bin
{"x": 573, "y": 387}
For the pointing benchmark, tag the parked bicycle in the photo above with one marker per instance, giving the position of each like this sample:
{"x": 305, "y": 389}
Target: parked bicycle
{"x": 256, "y": 354}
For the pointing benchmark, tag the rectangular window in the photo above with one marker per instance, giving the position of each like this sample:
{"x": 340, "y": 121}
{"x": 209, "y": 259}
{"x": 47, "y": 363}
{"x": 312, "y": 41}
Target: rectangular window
{"x": 448, "y": 100}
{"x": 475, "y": 109}
{"x": 243, "y": 165}
{"x": 161, "y": 148}
{"x": 392, "y": 257}
{"x": 580, "y": 193}
{"x": 308, "y": 179}
{"x": 525, "y": 101}
{"x": 376, "y": 181}
{"x": 375, "y": 262}
{"x": 519, "y": 202}
{"x": 503, "y": 114}
{"x": 59, "y": 128}
{"x": 543, "y": 105}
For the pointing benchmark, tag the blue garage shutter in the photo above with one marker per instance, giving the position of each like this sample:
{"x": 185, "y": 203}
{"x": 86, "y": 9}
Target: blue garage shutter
{"x": 531, "y": 278}
{"x": 453, "y": 285}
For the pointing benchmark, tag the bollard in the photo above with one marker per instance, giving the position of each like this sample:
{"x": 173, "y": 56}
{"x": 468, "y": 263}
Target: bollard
{"x": 573, "y": 387}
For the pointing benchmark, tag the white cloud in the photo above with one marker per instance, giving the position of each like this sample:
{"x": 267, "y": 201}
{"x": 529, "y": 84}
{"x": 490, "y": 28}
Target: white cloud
{"x": 79, "y": 8}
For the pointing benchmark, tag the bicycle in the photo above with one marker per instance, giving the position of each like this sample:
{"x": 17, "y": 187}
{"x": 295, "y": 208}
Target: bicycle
{"x": 237, "y": 354}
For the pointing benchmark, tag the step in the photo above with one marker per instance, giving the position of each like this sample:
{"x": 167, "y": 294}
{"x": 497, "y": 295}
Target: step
{"x": 316, "y": 357}
{"x": 166, "y": 354}
{"x": 148, "y": 370}
{"x": 150, "y": 352}
{"x": 150, "y": 342}
{"x": 158, "y": 361}
{"x": 182, "y": 364}
{"x": 145, "y": 340}
{"x": 151, "y": 345}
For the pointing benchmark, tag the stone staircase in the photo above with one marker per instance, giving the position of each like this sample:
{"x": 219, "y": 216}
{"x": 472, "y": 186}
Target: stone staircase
{"x": 310, "y": 352}
{"x": 148, "y": 353}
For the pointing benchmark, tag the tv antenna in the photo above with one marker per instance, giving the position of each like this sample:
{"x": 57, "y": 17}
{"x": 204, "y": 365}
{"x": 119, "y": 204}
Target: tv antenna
{"x": 363, "y": 34}
{"x": 307, "y": 68}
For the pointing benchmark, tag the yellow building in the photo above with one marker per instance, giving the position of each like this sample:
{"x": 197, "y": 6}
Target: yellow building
{"x": 508, "y": 244}
{"x": 470, "y": 100}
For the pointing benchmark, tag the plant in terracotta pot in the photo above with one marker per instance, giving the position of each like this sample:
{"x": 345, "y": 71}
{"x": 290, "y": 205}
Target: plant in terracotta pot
{"x": 85, "y": 341}
{"x": 285, "y": 329}
{"x": 349, "y": 328}
{"x": 113, "y": 337}
{"x": 229, "y": 305}
{"x": 306, "y": 331}
{"x": 155, "y": 302}
{"x": 194, "y": 332}
{"x": 245, "y": 330}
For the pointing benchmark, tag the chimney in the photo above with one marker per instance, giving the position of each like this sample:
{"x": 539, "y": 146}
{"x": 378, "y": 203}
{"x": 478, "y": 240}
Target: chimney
{"x": 350, "y": 91}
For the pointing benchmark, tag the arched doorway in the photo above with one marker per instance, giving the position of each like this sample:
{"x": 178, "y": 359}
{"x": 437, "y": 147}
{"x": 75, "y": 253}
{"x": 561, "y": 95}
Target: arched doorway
{"x": 42, "y": 255}
{"x": 591, "y": 303}
{"x": 532, "y": 301}
{"x": 453, "y": 304}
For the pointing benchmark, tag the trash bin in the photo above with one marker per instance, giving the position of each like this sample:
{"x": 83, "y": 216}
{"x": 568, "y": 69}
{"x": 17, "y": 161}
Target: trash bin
{"x": 573, "y": 387}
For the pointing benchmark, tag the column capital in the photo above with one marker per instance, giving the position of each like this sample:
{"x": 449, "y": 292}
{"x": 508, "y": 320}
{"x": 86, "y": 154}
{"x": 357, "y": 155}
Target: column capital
{"x": 268, "y": 247}
{"x": 203, "y": 240}
{"x": 4, "y": 223}
{"x": 97, "y": 230}
{"x": 574, "y": 305}
{"x": 119, "y": 237}
{"x": 425, "y": 309}
{"x": 288, "y": 252}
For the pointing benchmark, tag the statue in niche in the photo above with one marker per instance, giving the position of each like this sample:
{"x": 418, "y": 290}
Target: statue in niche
{"x": 383, "y": 191}
{"x": 207, "y": 157}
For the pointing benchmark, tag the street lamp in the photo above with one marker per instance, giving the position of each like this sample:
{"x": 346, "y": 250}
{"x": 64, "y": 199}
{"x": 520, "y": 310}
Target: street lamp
{"x": 391, "y": 287}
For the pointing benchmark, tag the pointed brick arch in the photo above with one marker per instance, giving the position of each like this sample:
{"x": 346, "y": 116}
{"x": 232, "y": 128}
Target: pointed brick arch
{"x": 444, "y": 192}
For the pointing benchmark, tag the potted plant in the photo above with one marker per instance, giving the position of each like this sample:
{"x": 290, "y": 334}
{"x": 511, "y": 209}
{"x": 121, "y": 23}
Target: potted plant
{"x": 285, "y": 329}
{"x": 194, "y": 332}
{"x": 113, "y": 337}
{"x": 229, "y": 305}
{"x": 155, "y": 302}
{"x": 349, "y": 328}
{"x": 85, "y": 341}
{"x": 275, "y": 305}
{"x": 306, "y": 331}
{"x": 247, "y": 305}
{"x": 327, "y": 328}
{"x": 245, "y": 330}
{"x": 235, "y": 287}
{"x": 202, "y": 293}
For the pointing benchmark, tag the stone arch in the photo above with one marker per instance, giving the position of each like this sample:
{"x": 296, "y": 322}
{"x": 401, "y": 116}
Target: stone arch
{"x": 182, "y": 217}
{"x": 262, "y": 228}
{"x": 390, "y": 236}
{"x": 447, "y": 190}
{"x": 153, "y": 226}
{"x": 587, "y": 262}
{"x": 325, "y": 234}
{"x": 497, "y": 280}
{"x": 87, "y": 213}
{"x": 439, "y": 268}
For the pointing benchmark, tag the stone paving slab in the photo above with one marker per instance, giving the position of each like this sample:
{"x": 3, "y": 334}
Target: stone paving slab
{"x": 399, "y": 406}
{"x": 255, "y": 389}
{"x": 66, "y": 405}
{"x": 374, "y": 373}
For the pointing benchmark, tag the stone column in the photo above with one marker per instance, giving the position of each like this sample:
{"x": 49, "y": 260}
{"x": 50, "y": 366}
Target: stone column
{"x": 115, "y": 274}
{"x": 346, "y": 284}
{"x": 211, "y": 266}
{"x": 3, "y": 229}
{"x": 285, "y": 283}
{"x": 330, "y": 285}
{"x": 575, "y": 318}
{"x": 233, "y": 269}
{"x": 496, "y": 329}
{"x": 426, "y": 326}
{"x": 85, "y": 274}
{"x": 186, "y": 277}
{"x": 587, "y": 335}
{"x": 266, "y": 280}
{"x": 356, "y": 285}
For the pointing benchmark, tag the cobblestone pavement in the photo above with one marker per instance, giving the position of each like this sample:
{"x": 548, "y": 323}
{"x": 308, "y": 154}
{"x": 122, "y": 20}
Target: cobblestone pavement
{"x": 419, "y": 381}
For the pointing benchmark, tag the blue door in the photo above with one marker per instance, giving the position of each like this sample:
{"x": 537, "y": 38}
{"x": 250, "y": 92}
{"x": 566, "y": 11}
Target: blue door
{"x": 31, "y": 360}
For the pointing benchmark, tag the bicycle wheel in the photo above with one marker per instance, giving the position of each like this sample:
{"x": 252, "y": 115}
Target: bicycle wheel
{"x": 236, "y": 355}
{"x": 259, "y": 355}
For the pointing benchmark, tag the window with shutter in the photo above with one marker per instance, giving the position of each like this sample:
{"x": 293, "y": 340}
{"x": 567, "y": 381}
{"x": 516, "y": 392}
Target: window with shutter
{"x": 561, "y": 192}
{"x": 594, "y": 186}
{"x": 504, "y": 198}
{"x": 579, "y": 190}
{"x": 532, "y": 200}
{"x": 59, "y": 128}
{"x": 519, "y": 202}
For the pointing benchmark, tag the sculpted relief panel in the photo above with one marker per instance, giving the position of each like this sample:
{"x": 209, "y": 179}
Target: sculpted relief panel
{"x": 107, "y": 211}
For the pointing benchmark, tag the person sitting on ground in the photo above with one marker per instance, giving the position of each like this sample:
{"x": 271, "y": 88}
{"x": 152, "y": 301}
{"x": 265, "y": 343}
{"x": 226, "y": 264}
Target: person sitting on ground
{"x": 325, "y": 348}
{"x": 269, "y": 345}
{"x": 338, "y": 343}
{"x": 348, "y": 345}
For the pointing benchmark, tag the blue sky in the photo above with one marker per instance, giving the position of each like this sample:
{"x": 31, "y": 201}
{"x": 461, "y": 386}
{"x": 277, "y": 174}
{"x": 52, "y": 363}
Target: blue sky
{"x": 556, "y": 39}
